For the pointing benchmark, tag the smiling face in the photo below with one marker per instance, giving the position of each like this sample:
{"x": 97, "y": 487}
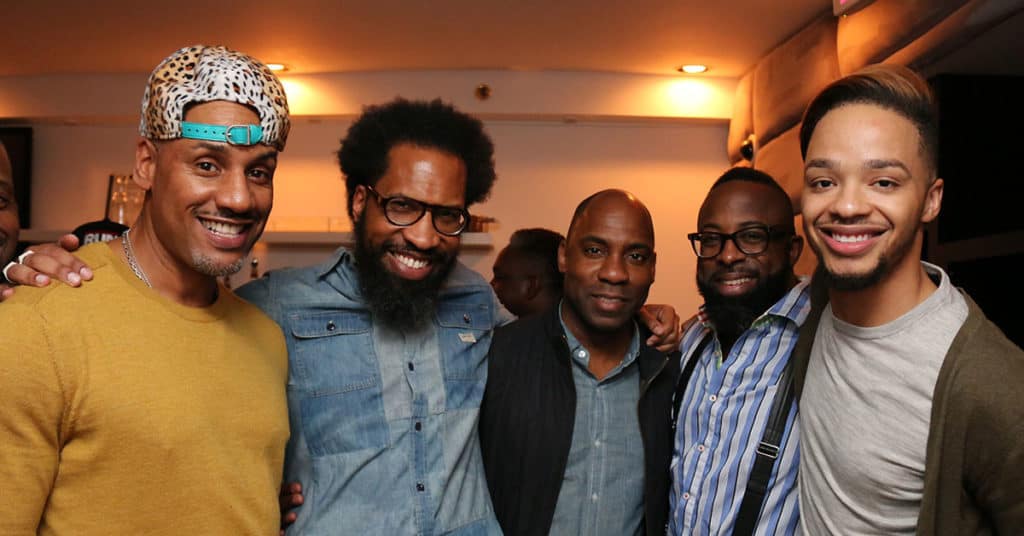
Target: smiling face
{"x": 735, "y": 281}
{"x": 402, "y": 268}
{"x": 868, "y": 191}
{"x": 608, "y": 262}
{"x": 207, "y": 202}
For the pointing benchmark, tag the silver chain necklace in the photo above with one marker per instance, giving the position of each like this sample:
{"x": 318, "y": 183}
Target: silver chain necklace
{"x": 132, "y": 263}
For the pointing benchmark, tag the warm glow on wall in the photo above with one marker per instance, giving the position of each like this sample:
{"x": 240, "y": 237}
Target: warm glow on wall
{"x": 689, "y": 97}
{"x": 298, "y": 95}
{"x": 277, "y": 67}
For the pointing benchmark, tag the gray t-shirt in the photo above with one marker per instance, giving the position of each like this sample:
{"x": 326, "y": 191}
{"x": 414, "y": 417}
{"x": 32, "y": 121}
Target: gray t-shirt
{"x": 864, "y": 416}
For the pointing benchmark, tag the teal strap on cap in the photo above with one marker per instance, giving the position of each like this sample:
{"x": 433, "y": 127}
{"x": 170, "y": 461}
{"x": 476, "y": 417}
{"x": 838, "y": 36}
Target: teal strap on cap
{"x": 234, "y": 134}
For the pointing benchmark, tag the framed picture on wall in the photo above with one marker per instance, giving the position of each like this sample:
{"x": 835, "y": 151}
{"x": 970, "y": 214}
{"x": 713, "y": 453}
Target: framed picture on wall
{"x": 18, "y": 142}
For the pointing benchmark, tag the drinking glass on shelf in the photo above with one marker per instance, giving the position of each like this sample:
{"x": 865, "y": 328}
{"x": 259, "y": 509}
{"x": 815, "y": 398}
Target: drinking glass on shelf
{"x": 125, "y": 200}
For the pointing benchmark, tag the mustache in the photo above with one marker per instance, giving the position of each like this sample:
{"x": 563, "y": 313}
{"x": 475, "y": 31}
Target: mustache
{"x": 227, "y": 214}
{"x": 432, "y": 254}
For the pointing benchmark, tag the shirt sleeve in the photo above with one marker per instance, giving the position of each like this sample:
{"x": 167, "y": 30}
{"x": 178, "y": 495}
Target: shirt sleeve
{"x": 32, "y": 421}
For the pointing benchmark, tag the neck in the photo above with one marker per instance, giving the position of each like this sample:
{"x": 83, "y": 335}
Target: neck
{"x": 897, "y": 293}
{"x": 168, "y": 277}
{"x": 606, "y": 348}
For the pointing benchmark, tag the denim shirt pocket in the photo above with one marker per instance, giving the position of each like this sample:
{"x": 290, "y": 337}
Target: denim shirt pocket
{"x": 337, "y": 380}
{"x": 464, "y": 338}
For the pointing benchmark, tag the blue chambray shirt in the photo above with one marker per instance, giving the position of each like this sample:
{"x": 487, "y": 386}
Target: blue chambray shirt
{"x": 603, "y": 487}
{"x": 383, "y": 423}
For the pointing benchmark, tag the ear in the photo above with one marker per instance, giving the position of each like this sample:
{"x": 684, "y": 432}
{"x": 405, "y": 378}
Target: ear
{"x": 533, "y": 286}
{"x": 145, "y": 163}
{"x": 358, "y": 203}
{"x": 561, "y": 257}
{"x": 933, "y": 201}
{"x": 796, "y": 247}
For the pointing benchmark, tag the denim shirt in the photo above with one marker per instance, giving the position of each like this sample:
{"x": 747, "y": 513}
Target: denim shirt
{"x": 603, "y": 487}
{"x": 383, "y": 423}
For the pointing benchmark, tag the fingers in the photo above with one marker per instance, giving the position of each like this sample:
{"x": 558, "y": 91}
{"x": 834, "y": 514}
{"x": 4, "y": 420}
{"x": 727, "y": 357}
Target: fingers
{"x": 20, "y": 274}
{"x": 6, "y": 291}
{"x": 68, "y": 242}
{"x": 290, "y": 497}
{"x": 53, "y": 261}
{"x": 664, "y": 324}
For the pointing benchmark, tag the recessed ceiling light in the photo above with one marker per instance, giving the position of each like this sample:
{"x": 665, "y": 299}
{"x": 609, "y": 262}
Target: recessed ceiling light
{"x": 693, "y": 68}
{"x": 277, "y": 67}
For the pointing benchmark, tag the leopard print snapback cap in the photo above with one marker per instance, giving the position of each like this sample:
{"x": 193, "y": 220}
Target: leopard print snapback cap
{"x": 201, "y": 73}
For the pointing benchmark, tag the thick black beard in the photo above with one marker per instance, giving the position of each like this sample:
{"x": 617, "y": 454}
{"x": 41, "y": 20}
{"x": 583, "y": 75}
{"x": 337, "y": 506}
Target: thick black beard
{"x": 396, "y": 302}
{"x": 732, "y": 315}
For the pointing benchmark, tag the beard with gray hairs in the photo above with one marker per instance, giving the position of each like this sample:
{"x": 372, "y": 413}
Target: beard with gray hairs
{"x": 398, "y": 303}
{"x": 206, "y": 266}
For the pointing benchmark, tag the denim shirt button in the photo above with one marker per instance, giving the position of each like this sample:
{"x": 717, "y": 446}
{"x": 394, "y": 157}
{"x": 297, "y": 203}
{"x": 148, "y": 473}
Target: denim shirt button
{"x": 419, "y": 426}
{"x": 420, "y": 487}
{"x": 466, "y": 319}
{"x": 330, "y": 325}
{"x": 411, "y": 366}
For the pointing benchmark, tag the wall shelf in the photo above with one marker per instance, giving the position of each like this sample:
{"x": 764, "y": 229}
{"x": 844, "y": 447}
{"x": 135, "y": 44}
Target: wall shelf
{"x": 278, "y": 238}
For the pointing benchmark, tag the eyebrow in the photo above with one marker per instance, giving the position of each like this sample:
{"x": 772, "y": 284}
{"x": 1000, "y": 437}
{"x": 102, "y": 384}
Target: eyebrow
{"x": 878, "y": 163}
{"x": 403, "y": 196}
{"x": 221, "y": 148}
{"x": 603, "y": 242}
{"x": 740, "y": 226}
{"x": 820, "y": 163}
{"x": 883, "y": 164}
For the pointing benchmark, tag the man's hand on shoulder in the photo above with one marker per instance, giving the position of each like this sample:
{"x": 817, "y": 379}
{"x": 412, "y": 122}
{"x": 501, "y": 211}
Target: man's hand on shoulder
{"x": 42, "y": 262}
{"x": 665, "y": 326}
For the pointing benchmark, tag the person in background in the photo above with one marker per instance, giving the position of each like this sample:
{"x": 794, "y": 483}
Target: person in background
{"x": 735, "y": 352}
{"x": 573, "y": 425}
{"x": 9, "y": 226}
{"x": 153, "y": 400}
{"x": 526, "y": 277}
{"x": 911, "y": 409}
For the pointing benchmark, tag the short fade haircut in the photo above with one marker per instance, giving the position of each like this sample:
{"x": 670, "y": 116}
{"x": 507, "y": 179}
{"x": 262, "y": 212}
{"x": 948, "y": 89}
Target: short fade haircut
{"x": 748, "y": 174}
{"x": 541, "y": 244}
{"x": 363, "y": 156}
{"x": 892, "y": 87}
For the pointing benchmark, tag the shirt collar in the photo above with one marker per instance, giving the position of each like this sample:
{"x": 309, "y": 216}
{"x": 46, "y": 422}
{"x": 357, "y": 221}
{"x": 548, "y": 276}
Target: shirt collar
{"x": 575, "y": 347}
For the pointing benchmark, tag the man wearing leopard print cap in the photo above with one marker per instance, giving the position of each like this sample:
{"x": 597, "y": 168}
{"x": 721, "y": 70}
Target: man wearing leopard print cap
{"x": 153, "y": 399}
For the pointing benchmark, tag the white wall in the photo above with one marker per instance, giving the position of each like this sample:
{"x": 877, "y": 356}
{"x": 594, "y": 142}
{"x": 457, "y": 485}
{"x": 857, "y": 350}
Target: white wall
{"x": 545, "y": 168}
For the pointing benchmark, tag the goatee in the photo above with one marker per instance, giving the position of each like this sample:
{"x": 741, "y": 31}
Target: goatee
{"x": 396, "y": 302}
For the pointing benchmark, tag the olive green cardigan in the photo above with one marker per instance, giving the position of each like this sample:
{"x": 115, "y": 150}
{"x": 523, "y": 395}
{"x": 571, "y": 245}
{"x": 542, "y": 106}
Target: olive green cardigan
{"x": 974, "y": 463}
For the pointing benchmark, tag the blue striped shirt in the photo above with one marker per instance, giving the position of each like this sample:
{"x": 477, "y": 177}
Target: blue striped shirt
{"x": 722, "y": 418}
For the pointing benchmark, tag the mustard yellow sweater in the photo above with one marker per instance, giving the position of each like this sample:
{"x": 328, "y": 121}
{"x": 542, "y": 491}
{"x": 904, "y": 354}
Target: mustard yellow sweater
{"x": 122, "y": 412}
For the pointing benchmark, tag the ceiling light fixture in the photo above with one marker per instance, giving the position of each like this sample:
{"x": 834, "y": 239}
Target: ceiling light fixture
{"x": 693, "y": 68}
{"x": 277, "y": 67}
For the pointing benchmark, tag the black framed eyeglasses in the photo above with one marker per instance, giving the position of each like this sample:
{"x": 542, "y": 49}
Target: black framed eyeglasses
{"x": 405, "y": 211}
{"x": 752, "y": 240}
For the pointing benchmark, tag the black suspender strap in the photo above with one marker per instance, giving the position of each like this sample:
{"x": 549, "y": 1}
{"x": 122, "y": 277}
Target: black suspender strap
{"x": 684, "y": 379}
{"x": 767, "y": 452}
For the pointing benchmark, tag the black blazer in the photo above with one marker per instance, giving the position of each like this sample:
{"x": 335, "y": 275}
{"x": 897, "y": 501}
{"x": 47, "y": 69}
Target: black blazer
{"x": 527, "y": 417}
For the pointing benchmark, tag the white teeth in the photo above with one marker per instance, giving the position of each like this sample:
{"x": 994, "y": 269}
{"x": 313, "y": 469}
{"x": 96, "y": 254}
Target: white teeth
{"x": 409, "y": 261}
{"x": 848, "y": 239}
{"x": 735, "y": 282}
{"x": 223, "y": 228}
